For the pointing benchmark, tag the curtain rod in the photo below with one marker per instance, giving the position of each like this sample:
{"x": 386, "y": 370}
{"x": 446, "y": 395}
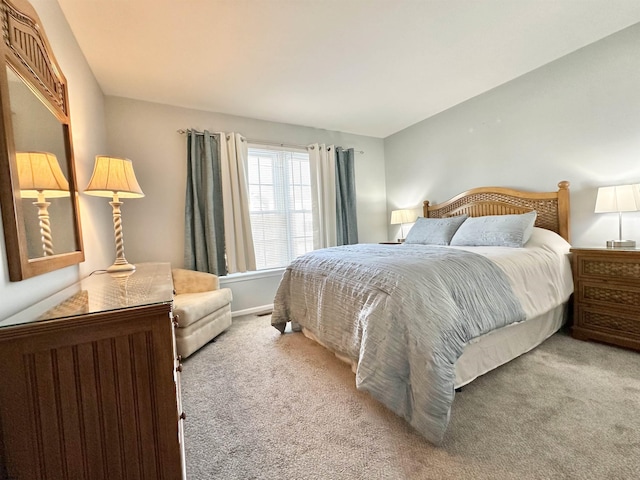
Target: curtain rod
{"x": 265, "y": 142}
{"x": 289, "y": 145}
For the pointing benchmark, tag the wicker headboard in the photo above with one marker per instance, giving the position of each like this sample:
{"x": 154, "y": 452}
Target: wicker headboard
{"x": 552, "y": 207}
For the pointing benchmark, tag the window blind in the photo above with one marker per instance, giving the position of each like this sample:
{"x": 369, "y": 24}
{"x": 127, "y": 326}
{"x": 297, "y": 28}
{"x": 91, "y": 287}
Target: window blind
{"x": 279, "y": 205}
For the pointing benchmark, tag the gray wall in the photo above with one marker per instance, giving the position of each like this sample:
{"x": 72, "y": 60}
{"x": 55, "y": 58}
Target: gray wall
{"x": 86, "y": 105}
{"x": 575, "y": 119}
{"x": 153, "y": 226}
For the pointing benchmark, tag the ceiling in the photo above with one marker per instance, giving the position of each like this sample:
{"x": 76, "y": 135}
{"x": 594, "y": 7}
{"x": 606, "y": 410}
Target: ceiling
{"x": 370, "y": 67}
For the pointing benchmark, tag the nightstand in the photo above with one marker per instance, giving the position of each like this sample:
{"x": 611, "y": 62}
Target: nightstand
{"x": 607, "y": 295}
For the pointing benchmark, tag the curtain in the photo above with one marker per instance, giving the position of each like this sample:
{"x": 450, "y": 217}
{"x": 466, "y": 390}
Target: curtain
{"x": 204, "y": 242}
{"x": 241, "y": 256}
{"x": 346, "y": 218}
{"x": 323, "y": 194}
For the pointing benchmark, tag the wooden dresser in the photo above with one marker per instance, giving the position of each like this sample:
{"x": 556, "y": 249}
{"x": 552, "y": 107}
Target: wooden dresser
{"x": 607, "y": 295}
{"x": 89, "y": 382}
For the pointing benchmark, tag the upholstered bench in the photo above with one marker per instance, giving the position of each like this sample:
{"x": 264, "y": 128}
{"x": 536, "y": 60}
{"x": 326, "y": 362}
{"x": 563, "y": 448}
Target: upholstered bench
{"x": 201, "y": 308}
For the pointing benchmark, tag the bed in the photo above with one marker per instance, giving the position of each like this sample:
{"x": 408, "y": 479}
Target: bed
{"x": 419, "y": 320}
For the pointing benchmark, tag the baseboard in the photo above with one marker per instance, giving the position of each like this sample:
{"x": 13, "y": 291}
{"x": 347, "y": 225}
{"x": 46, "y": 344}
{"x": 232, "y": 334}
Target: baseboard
{"x": 264, "y": 309}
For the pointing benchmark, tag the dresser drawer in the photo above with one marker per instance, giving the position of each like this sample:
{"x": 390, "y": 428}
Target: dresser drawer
{"x": 611, "y": 267}
{"x": 610, "y": 294}
{"x": 607, "y": 320}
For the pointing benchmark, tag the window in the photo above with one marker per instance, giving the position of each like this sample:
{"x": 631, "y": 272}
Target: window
{"x": 279, "y": 204}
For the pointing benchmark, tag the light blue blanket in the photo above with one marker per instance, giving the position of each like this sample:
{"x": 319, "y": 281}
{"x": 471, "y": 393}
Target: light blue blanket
{"x": 403, "y": 314}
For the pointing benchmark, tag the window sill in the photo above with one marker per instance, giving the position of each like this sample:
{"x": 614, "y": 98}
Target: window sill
{"x": 255, "y": 275}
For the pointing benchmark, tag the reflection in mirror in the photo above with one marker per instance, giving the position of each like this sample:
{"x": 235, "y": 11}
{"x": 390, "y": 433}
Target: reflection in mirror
{"x": 36, "y": 129}
{"x": 41, "y": 178}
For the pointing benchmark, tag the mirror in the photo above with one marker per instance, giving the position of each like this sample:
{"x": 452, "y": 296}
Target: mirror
{"x": 36, "y": 129}
{"x": 38, "y": 190}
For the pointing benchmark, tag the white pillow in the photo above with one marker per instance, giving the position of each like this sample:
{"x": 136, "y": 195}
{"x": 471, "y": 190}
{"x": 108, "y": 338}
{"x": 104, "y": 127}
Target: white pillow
{"x": 434, "y": 231}
{"x": 495, "y": 230}
{"x": 541, "y": 237}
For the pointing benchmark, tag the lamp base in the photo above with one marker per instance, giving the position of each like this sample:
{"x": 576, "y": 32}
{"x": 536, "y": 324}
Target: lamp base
{"x": 121, "y": 267}
{"x": 621, "y": 244}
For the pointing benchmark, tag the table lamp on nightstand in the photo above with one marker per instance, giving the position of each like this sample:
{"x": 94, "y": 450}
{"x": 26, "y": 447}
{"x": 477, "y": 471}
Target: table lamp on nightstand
{"x": 621, "y": 198}
{"x": 401, "y": 217}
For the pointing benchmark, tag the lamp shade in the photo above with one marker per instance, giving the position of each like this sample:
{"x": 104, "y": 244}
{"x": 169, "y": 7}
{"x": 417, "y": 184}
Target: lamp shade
{"x": 39, "y": 174}
{"x": 621, "y": 198}
{"x": 113, "y": 176}
{"x": 403, "y": 216}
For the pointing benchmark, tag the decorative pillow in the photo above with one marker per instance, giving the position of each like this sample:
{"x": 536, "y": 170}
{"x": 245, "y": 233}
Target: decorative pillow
{"x": 496, "y": 230}
{"x": 434, "y": 231}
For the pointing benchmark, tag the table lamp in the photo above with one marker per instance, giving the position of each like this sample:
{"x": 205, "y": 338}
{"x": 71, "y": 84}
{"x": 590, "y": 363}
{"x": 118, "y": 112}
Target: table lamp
{"x": 40, "y": 177}
{"x": 401, "y": 217}
{"x": 621, "y": 198}
{"x": 114, "y": 177}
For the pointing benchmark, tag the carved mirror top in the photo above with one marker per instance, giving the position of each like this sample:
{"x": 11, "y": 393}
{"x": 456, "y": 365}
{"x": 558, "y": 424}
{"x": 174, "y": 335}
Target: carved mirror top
{"x": 22, "y": 36}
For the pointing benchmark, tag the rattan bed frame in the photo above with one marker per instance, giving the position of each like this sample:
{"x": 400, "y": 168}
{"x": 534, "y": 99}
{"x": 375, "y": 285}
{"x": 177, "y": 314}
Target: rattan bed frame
{"x": 552, "y": 207}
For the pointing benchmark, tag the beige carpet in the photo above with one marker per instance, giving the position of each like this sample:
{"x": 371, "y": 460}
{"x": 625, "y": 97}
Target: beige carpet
{"x": 261, "y": 405}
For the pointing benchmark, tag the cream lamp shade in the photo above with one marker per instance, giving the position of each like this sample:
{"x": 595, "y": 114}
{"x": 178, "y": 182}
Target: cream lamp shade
{"x": 401, "y": 217}
{"x": 621, "y": 198}
{"x": 114, "y": 177}
{"x": 40, "y": 176}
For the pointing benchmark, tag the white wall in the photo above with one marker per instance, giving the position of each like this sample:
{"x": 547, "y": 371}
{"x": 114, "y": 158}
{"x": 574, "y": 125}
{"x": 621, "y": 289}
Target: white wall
{"x": 153, "y": 226}
{"x": 575, "y": 119}
{"x": 86, "y": 106}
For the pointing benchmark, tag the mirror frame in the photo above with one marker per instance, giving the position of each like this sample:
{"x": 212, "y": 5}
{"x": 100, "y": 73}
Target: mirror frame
{"x": 26, "y": 50}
